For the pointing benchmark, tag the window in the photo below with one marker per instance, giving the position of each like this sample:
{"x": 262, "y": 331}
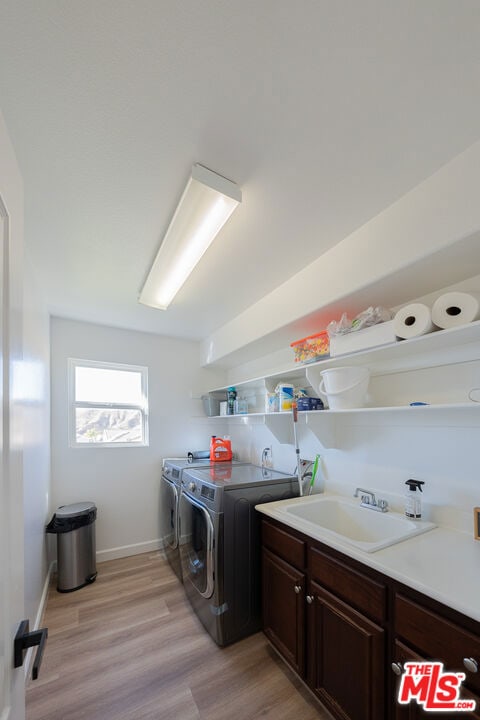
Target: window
{"x": 108, "y": 404}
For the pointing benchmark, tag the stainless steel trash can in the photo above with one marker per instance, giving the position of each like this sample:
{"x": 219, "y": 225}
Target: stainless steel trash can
{"x": 74, "y": 526}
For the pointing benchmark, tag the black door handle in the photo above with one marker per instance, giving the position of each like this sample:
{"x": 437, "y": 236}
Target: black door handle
{"x": 24, "y": 640}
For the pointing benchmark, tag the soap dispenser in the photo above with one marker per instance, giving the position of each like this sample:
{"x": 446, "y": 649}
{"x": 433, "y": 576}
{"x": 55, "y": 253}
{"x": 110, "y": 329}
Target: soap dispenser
{"x": 413, "y": 501}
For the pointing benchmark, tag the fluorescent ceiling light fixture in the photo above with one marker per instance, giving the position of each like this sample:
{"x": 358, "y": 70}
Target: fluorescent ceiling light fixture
{"x": 204, "y": 208}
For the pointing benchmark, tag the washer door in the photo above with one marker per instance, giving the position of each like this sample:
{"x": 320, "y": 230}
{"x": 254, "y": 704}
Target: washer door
{"x": 169, "y": 512}
{"x": 197, "y": 545}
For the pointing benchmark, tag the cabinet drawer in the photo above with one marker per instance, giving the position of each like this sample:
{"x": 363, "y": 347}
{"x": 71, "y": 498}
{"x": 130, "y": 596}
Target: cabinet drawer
{"x": 354, "y": 587}
{"x": 437, "y": 638}
{"x": 284, "y": 545}
{"x": 402, "y": 654}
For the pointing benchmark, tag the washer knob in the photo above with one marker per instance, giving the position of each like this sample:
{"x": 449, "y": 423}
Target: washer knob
{"x": 191, "y": 486}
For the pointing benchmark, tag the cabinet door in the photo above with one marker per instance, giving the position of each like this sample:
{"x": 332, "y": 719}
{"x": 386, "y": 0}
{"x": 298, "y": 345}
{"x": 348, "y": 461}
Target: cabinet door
{"x": 346, "y": 658}
{"x": 413, "y": 711}
{"x": 284, "y": 609}
{"x": 438, "y": 638}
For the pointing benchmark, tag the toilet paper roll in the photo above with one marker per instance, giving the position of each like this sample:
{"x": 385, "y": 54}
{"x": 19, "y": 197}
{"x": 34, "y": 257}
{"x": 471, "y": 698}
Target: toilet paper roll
{"x": 456, "y": 308}
{"x": 413, "y": 320}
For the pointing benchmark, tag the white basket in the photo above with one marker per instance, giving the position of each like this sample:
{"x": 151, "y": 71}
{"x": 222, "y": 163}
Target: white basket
{"x": 345, "y": 387}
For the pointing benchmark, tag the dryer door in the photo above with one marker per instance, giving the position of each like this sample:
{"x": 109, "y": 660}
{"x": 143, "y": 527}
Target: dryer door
{"x": 197, "y": 545}
{"x": 169, "y": 512}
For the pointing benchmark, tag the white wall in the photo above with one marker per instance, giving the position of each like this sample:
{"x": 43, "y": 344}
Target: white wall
{"x": 124, "y": 482}
{"x": 433, "y": 226}
{"x": 381, "y": 450}
{"x": 35, "y": 389}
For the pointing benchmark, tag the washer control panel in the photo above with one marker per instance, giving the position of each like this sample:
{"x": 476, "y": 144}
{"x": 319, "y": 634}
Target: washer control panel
{"x": 208, "y": 492}
{"x": 204, "y": 492}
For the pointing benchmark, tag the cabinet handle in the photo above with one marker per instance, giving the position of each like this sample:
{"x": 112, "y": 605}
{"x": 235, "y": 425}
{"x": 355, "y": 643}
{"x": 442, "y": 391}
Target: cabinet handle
{"x": 298, "y": 589}
{"x": 309, "y": 599}
{"x": 397, "y": 668}
{"x": 470, "y": 664}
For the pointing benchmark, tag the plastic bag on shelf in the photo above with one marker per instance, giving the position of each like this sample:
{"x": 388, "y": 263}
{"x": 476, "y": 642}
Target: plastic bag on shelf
{"x": 367, "y": 318}
{"x": 339, "y": 327}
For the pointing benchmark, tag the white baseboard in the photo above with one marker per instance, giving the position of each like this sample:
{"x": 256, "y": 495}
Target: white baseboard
{"x": 38, "y": 619}
{"x": 127, "y": 550}
{"x": 122, "y": 551}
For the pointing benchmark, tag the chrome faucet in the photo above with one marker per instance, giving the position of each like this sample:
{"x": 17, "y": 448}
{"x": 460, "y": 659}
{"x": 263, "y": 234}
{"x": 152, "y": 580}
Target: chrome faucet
{"x": 368, "y": 500}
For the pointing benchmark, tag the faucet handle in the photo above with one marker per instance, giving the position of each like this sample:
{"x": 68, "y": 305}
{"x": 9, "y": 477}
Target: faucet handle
{"x": 368, "y": 500}
{"x": 367, "y": 497}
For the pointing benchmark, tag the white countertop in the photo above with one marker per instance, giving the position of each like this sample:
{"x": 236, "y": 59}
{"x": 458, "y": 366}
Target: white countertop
{"x": 443, "y": 564}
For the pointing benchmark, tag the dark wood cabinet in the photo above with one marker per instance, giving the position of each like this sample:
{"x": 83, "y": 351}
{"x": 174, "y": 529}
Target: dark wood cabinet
{"x": 284, "y": 619}
{"x": 355, "y": 587}
{"x": 347, "y": 658}
{"x": 348, "y": 630}
{"x": 423, "y": 633}
{"x": 322, "y": 616}
{"x": 284, "y": 564}
{"x": 402, "y": 654}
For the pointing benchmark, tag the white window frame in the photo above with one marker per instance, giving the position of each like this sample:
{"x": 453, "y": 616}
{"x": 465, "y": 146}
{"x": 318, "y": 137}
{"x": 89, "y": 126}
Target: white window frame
{"x": 73, "y": 363}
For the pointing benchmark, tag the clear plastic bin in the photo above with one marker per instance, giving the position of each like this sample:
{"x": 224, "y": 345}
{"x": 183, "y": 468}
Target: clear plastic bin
{"x": 312, "y": 348}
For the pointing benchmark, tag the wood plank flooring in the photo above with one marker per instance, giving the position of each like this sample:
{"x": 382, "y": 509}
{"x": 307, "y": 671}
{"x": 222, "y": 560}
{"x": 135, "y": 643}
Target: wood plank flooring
{"x": 128, "y": 647}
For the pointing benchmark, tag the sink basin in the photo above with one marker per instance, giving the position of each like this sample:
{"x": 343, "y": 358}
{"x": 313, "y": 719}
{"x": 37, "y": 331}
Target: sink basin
{"x": 364, "y": 528}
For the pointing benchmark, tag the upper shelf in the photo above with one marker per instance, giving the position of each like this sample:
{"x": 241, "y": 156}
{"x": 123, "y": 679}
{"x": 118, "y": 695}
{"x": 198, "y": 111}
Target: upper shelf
{"x": 443, "y": 347}
{"x": 436, "y": 350}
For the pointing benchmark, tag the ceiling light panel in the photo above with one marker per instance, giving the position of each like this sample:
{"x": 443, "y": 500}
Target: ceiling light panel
{"x": 205, "y": 206}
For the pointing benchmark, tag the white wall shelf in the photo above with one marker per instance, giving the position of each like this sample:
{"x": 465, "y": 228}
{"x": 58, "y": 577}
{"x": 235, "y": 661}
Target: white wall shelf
{"x": 443, "y": 347}
{"x": 436, "y": 350}
{"x": 280, "y": 424}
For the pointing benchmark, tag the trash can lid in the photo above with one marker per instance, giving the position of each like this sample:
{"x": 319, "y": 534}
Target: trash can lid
{"x": 82, "y": 508}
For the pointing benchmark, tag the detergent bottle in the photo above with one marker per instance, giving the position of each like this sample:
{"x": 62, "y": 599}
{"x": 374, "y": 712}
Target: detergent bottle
{"x": 220, "y": 449}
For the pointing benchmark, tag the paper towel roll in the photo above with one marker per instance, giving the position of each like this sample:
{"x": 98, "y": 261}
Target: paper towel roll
{"x": 456, "y": 308}
{"x": 413, "y": 320}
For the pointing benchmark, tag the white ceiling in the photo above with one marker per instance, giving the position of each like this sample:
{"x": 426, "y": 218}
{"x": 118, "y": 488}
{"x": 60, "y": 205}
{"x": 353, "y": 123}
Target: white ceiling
{"x": 323, "y": 112}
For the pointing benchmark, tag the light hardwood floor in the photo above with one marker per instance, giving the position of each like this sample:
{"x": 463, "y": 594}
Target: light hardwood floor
{"x": 128, "y": 647}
